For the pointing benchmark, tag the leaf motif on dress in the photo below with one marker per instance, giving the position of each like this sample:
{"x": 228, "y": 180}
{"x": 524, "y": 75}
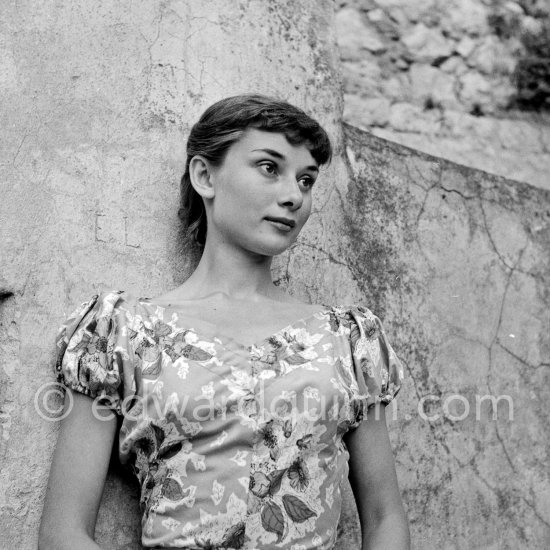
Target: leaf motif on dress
{"x": 195, "y": 353}
{"x": 298, "y": 474}
{"x": 254, "y": 503}
{"x": 150, "y": 352}
{"x": 297, "y": 510}
{"x": 171, "y": 489}
{"x": 176, "y": 345}
{"x": 275, "y": 477}
{"x": 170, "y": 450}
{"x": 161, "y": 328}
{"x": 273, "y": 519}
{"x": 281, "y": 353}
{"x": 259, "y": 484}
{"x": 153, "y": 369}
{"x": 159, "y": 434}
{"x": 234, "y": 537}
{"x": 296, "y": 359}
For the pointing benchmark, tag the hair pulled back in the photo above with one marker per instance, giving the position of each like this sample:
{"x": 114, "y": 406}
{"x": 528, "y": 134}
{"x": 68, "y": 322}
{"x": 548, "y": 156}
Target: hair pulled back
{"x": 224, "y": 123}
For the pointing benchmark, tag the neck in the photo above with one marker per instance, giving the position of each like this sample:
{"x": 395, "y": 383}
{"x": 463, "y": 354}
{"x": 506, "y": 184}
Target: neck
{"x": 232, "y": 271}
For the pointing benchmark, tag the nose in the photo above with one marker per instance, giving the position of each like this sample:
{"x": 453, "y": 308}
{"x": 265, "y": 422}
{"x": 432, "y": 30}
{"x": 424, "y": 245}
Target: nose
{"x": 290, "y": 194}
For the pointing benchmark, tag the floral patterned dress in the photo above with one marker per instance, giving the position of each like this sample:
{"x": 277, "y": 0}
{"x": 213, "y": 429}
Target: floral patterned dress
{"x": 233, "y": 446}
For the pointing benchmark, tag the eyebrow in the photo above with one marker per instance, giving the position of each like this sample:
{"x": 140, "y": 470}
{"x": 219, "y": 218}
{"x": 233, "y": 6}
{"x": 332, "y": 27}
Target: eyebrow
{"x": 278, "y": 155}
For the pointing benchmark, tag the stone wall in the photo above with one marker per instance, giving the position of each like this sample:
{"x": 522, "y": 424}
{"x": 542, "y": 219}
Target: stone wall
{"x": 440, "y": 76}
{"x": 457, "y": 262}
{"x": 97, "y": 102}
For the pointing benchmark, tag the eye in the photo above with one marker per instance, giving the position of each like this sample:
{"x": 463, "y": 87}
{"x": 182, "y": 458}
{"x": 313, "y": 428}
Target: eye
{"x": 268, "y": 167}
{"x": 307, "y": 181}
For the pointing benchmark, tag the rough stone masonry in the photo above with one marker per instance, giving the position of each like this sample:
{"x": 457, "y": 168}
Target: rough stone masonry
{"x": 441, "y": 76}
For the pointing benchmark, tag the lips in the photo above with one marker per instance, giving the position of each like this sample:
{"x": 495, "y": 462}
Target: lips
{"x": 286, "y": 221}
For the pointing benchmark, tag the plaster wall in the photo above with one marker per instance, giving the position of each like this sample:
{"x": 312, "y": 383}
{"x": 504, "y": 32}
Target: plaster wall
{"x": 97, "y": 99}
{"x": 457, "y": 264}
{"x": 97, "y": 102}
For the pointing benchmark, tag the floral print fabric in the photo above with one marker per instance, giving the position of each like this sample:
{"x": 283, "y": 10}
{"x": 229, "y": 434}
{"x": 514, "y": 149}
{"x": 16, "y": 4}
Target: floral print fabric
{"x": 234, "y": 446}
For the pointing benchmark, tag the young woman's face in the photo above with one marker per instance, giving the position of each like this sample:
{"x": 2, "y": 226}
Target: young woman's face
{"x": 262, "y": 192}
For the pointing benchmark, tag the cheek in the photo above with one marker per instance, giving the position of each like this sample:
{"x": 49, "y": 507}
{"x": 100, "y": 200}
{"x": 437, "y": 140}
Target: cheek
{"x": 239, "y": 187}
{"x": 236, "y": 203}
{"x": 305, "y": 210}
{"x": 250, "y": 200}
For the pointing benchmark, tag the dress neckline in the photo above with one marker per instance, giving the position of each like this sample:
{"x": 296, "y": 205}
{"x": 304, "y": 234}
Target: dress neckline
{"x": 214, "y": 332}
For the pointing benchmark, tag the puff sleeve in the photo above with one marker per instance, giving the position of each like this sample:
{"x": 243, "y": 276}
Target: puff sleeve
{"x": 378, "y": 370}
{"x": 93, "y": 354}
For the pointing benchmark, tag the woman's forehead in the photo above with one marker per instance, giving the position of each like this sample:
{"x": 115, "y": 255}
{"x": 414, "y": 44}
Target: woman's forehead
{"x": 256, "y": 140}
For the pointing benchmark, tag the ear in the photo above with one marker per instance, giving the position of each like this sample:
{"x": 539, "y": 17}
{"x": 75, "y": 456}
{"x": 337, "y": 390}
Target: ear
{"x": 200, "y": 173}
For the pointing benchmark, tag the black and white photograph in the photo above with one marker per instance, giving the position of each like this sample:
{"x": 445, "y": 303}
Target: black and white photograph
{"x": 274, "y": 275}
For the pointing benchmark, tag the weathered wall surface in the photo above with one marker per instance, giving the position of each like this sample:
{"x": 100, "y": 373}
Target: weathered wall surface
{"x": 440, "y": 76}
{"x": 97, "y": 101}
{"x": 458, "y": 264}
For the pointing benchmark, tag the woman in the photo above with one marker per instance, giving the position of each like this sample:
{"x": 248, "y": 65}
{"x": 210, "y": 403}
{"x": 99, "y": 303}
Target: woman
{"x": 239, "y": 404}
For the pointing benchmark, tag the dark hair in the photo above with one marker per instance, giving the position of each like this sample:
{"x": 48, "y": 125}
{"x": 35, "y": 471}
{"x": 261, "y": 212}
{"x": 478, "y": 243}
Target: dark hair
{"x": 224, "y": 123}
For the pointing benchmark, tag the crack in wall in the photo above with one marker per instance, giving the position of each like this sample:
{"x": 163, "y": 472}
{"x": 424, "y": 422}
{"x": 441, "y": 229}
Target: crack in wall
{"x": 520, "y": 359}
{"x": 492, "y": 242}
{"x": 517, "y": 201}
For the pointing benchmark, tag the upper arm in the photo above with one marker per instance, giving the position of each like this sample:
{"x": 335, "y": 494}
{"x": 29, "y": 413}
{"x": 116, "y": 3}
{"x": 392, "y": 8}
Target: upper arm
{"x": 93, "y": 357}
{"x": 78, "y": 471}
{"x": 379, "y": 374}
{"x": 372, "y": 470}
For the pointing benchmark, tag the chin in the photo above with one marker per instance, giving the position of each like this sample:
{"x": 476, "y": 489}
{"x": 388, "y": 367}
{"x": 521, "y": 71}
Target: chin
{"x": 270, "y": 248}
{"x": 273, "y": 251}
